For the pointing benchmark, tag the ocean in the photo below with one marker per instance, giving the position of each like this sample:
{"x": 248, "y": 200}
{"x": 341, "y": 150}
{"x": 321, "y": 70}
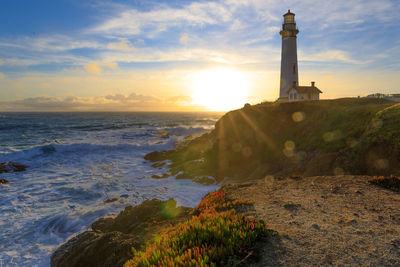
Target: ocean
{"x": 76, "y": 162}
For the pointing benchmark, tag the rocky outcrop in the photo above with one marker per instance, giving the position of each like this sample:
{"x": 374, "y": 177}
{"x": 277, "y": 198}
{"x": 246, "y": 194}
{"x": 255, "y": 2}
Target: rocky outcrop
{"x": 10, "y": 166}
{"x": 110, "y": 240}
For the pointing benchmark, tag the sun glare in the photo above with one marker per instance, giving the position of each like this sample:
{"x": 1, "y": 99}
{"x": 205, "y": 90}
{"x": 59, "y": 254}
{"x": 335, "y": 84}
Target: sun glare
{"x": 219, "y": 89}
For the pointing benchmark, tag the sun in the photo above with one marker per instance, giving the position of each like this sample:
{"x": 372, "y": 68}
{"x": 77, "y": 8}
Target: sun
{"x": 219, "y": 89}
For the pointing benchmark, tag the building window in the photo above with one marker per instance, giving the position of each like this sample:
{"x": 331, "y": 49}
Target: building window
{"x": 289, "y": 19}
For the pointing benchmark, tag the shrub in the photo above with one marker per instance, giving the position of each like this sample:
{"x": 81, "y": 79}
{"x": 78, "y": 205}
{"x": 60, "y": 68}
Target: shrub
{"x": 215, "y": 234}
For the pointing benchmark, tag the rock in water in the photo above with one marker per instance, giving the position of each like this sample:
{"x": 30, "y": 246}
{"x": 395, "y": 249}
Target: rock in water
{"x": 158, "y": 156}
{"x": 10, "y": 166}
{"x": 3, "y": 181}
{"x": 111, "y": 200}
{"x": 110, "y": 241}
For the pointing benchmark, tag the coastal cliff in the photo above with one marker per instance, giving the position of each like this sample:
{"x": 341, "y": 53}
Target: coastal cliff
{"x": 327, "y": 137}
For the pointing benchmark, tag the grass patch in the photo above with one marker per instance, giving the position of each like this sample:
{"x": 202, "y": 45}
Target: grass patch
{"x": 215, "y": 235}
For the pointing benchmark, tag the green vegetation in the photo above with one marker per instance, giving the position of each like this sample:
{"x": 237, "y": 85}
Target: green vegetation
{"x": 385, "y": 127}
{"x": 215, "y": 235}
{"x": 356, "y": 136}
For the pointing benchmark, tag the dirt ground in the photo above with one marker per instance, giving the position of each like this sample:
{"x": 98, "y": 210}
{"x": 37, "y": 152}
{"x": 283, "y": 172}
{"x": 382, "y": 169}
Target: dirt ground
{"x": 325, "y": 220}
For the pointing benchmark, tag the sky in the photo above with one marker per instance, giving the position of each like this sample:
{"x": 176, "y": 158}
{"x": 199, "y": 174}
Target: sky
{"x": 181, "y": 55}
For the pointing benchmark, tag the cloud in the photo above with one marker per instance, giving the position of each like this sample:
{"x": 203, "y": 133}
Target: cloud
{"x": 329, "y": 56}
{"x": 181, "y": 100}
{"x": 184, "y": 39}
{"x": 110, "y": 65}
{"x": 1, "y": 62}
{"x": 132, "y": 98}
{"x": 116, "y": 102}
{"x": 195, "y": 54}
{"x": 36, "y": 59}
{"x": 97, "y": 67}
{"x": 45, "y": 85}
{"x": 54, "y": 43}
{"x": 335, "y": 15}
{"x": 93, "y": 68}
{"x": 133, "y": 22}
{"x": 122, "y": 45}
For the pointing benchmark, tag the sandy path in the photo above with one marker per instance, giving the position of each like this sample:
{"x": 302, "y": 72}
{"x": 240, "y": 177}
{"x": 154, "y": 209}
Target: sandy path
{"x": 325, "y": 220}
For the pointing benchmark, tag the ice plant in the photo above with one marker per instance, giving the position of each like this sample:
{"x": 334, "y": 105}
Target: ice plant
{"x": 390, "y": 182}
{"x": 210, "y": 237}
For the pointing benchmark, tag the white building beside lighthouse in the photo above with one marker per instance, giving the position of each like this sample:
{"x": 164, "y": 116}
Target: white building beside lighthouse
{"x": 289, "y": 83}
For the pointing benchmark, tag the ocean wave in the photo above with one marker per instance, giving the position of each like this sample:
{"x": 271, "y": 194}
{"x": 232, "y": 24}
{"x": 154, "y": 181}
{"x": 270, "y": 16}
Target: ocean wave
{"x": 100, "y": 127}
{"x": 82, "y": 148}
{"x": 151, "y": 144}
{"x": 186, "y": 131}
{"x": 67, "y": 224}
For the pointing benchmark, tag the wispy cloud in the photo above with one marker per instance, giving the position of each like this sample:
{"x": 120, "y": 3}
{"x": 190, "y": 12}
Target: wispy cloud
{"x": 50, "y": 43}
{"x": 329, "y": 56}
{"x": 117, "y": 102}
{"x": 93, "y": 68}
{"x": 193, "y": 54}
{"x": 123, "y": 44}
{"x": 180, "y": 100}
{"x": 133, "y": 22}
{"x": 184, "y": 39}
{"x": 97, "y": 67}
{"x": 27, "y": 60}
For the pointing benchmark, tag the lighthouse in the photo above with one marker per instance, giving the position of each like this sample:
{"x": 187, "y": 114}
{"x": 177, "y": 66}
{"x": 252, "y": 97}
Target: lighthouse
{"x": 289, "y": 69}
{"x": 290, "y": 90}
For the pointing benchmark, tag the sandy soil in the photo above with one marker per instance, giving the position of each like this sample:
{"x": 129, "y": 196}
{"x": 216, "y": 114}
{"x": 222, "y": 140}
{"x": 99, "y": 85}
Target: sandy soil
{"x": 325, "y": 220}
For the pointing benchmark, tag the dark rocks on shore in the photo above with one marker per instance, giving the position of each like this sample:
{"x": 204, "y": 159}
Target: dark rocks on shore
{"x": 158, "y": 156}
{"x": 110, "y": 241}
{"x": 10, "y": 166}
{"x": 3, "y": 181}
{"x": 204, "y": 180}
{"x": 165, "y": 175}
{"x": 111, "y": 200}
{"x": 158, "y": 165}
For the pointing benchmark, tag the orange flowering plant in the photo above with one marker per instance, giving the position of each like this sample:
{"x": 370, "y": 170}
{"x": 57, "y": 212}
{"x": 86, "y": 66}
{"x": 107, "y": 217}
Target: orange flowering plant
{"x": 210, "y": 237}
{"x": 390, "y": 182}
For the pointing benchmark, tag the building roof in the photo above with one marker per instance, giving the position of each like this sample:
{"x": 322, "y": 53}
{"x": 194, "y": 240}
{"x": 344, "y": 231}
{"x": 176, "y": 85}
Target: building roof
{"x": 289, "y": 13}
{"x": 305, "y": 89}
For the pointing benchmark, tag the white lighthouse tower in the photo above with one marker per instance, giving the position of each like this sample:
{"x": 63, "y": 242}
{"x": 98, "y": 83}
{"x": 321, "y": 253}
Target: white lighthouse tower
{"x": 289, "y": 70}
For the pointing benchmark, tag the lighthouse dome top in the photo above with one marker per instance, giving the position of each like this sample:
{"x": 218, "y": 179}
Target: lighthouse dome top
{"x": 289, "y": 13}
{"x": 289, "y": 18}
